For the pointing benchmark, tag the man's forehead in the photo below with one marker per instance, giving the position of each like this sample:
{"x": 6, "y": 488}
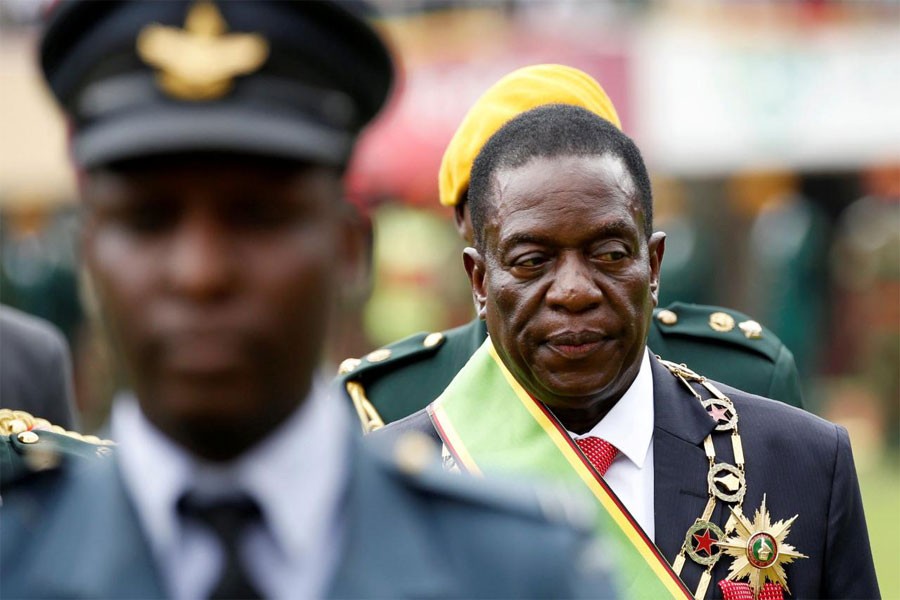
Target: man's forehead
{"x": 542, "y": 175}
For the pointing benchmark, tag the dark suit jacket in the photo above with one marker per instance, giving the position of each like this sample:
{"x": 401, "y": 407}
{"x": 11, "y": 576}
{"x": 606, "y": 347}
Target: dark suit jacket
{"x": 74, "y": 533}
{"x": 802, "y": 464}
{"x": 35, "y": 370}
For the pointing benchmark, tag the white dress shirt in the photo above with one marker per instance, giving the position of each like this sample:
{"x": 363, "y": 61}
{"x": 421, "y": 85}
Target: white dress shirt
{"x": 296, "y": 475}
{"x": 629, "y": 427}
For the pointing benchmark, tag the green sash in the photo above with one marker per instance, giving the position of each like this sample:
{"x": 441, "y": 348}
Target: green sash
{"x": 489, "y": 423}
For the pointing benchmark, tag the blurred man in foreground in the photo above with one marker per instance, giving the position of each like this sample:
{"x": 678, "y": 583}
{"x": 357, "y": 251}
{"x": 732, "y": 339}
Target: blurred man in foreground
{"x": 393, "y": 382}
{"x": 742, "y": 495}
{"x": 212, "y": 138}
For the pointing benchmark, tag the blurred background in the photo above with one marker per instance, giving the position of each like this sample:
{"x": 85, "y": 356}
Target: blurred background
{"x": 772, "y": 130}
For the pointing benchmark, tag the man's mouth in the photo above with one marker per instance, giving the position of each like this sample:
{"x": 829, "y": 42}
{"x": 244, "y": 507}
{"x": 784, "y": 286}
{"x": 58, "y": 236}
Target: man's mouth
{"x": 576, "y": 344}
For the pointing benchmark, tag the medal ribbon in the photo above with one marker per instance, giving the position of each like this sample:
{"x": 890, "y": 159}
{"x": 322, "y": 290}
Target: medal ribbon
{"x": 489, "y": 423}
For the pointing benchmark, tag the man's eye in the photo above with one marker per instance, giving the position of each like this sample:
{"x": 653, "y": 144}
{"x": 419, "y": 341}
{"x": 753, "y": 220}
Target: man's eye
{"x": 530, "y": 261}
{"x": 260, "y": 214}
{"x": 613, "y": 255}
{"x": 148, "y": 218}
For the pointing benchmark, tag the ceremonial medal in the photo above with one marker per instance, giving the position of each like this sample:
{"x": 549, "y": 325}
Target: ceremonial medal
{"x": 759, "y": 550}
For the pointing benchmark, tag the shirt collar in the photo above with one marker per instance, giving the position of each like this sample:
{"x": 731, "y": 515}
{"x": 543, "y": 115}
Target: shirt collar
{"x": 629, "y": 424}
{"x": 306, "y": 457}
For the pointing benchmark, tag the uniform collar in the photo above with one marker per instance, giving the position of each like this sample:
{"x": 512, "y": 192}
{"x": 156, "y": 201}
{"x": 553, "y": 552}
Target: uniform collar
{"x": 304, "y": 458}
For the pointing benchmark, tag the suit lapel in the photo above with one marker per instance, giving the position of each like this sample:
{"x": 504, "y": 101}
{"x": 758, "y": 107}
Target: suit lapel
{"x": 97, "y": 529}
{"x": 386, "y": 552}
{"x": 680, "y": 465}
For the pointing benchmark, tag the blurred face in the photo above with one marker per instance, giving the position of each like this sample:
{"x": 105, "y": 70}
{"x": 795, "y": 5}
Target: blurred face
{"x": 216, "y": 279}
{"x": 568, "y": 282}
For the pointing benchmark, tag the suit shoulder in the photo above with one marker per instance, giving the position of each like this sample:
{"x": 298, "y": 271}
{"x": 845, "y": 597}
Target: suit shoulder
{"x": 775, "y": 418}
{"x": 20, "y": 329}
{"x": 30, "y": 445}
{"x": 722, "y": 326}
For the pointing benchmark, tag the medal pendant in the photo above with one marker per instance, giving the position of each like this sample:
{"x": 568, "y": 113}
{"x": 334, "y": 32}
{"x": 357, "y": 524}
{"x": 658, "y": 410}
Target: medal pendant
{"x": 759, "y": 549}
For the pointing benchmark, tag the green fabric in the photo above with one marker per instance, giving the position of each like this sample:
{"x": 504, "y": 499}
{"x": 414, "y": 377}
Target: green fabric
{"x": 492, "y": 426}
{"x": 415, "y": 374}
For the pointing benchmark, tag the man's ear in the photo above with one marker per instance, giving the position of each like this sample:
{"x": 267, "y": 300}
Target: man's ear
{"x": 474, "y": 264}
{"x": 656, "y": 246}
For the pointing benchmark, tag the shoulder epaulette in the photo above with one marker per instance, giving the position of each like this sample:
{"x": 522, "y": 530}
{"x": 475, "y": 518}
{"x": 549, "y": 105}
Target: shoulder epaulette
{"x": 18, "y": 422}
{"x": 354, "y": 371}
{"x": 721, "y": 324}
{"x": 392, "y": 354}
{"x": 34, "y": 444}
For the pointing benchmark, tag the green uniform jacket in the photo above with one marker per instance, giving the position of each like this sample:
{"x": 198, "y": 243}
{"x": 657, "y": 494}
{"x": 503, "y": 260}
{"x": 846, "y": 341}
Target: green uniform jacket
{"x": 723, "y": 344}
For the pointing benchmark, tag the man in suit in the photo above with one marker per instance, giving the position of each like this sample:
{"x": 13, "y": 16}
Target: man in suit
{"x": 742, "y": 495}
{"x": 35, "y": 370}
{"x": 212, "y": 138}
{"x": 392, "y": 382}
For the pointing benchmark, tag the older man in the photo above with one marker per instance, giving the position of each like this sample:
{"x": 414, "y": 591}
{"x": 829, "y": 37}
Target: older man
{"x": 401, "y": 378}
{"x": 212, "y": 137}
{"x": 565, "y": 272}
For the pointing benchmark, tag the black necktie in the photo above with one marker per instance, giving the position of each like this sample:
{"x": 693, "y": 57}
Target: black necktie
{"x": 228, "y": 520}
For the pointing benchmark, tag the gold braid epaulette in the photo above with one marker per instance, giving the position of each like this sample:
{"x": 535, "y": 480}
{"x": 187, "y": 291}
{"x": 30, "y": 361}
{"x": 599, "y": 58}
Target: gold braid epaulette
{"x": 13, "y": 422}
{"x": 368, "y": 415}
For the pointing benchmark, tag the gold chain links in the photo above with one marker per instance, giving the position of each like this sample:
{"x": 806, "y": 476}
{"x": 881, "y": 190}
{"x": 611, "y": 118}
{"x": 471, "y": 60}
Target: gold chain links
{"x": 725, "y": 482}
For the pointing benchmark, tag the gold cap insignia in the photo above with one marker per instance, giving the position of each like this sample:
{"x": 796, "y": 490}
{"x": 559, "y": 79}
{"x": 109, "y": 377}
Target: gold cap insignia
{"x": 200, "y": 61}
{"x": 722, "y": 322}
{"x": 751, "y": 329}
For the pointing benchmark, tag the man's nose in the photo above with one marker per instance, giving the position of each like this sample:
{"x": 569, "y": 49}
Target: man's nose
{"x": 574, "y": 288}
{"x": 201, "y": 261}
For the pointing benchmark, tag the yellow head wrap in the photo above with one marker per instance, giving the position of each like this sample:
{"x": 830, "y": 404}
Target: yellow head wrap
{"x": 518, "y": 92}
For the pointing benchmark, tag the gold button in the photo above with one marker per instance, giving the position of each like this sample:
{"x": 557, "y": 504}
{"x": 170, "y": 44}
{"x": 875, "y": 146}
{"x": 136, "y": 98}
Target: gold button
{"x": 667, "y": 317}
{"x": 433, "y": 339}
{"x": 378, "y": 355}
{"x": 751, "y": 329}
{"x": 722, "y": 322}
{"x": 414, "y": 452}
{"x": 28, "y": 437}
{"x": 347, "y": 365}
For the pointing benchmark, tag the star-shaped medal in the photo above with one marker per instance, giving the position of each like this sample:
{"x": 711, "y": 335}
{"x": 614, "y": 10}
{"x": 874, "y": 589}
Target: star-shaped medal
{"x": 759, "y": 550}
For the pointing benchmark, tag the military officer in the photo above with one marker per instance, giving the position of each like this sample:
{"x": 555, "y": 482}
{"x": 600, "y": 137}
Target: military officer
{"x": 212, "y": 137}
{"x": 401, "y": 378}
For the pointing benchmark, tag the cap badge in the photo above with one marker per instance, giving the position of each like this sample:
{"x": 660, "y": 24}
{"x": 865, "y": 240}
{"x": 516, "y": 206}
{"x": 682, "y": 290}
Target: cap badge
{"x": 759, "y": 550}
{"x": 200, "y": 62}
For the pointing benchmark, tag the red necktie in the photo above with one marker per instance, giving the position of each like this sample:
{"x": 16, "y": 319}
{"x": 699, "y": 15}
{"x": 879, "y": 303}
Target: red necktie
{"x": 600, "y": 452}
